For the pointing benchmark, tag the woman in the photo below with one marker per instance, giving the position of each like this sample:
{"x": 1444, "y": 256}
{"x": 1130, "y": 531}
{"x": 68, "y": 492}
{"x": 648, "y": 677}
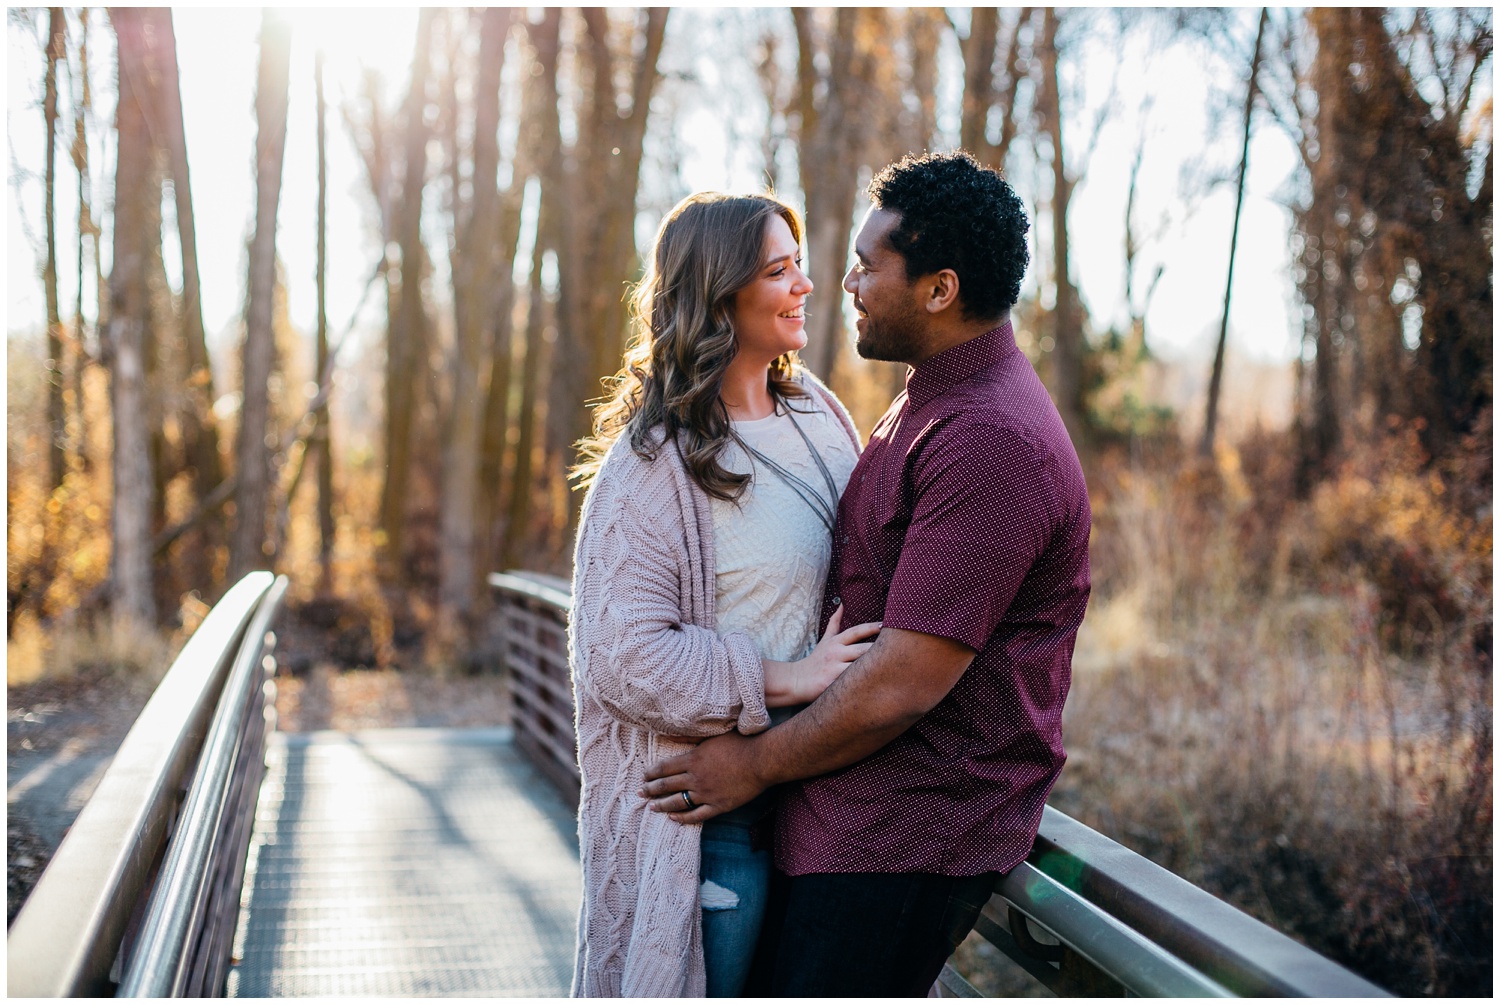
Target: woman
{"x": 713, "y": 477}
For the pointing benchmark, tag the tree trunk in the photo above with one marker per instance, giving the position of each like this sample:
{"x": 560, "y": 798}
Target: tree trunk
{"x": 57, "y": 430}
{"x": 82, "y": 106}
{"x": 136, "y": 213}
{"x": 475, "y": 274}
{"x": 1067, "y": 351}
{"x": 982, "y": 93}
{"x": 597, "y": 254}
{"x": 1211, "y": 413}
{"x": 193, "y": 385}
{"x": 978, "y": 51}
{"x": 831, "y": 139}
{"x": 538, "y": 351}
{"x": 247, "y": 550}
{"x": 536, "y": 157}
{"x": 406, "y": 340}
{"x": 322, "y": 436}
{"x": 539, "y": 382}
{"x": 200, "y": 433}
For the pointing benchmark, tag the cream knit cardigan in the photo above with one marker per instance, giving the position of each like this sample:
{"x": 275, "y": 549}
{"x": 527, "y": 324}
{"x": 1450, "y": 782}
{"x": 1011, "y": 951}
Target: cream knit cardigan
{"x": 647, "y": 665}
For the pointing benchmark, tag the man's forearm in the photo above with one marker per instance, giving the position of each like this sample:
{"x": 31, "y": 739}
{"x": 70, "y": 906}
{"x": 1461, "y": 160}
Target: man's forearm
{"x": 877, "y": 699}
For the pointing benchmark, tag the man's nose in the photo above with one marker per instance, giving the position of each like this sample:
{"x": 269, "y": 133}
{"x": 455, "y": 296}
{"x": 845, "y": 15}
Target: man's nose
{"x": 851, "y": 285}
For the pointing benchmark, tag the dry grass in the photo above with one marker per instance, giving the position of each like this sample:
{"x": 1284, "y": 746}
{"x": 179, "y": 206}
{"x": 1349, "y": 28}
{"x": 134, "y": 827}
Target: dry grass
{"x": 67, "y": 650}
{"x": 1294, "y": 711}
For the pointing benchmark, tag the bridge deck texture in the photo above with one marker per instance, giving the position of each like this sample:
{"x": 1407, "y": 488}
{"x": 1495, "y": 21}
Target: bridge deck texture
{"x": 411, "y": 862}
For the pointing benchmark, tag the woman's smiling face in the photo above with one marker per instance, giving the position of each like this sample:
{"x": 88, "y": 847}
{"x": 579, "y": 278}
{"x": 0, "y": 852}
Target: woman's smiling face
{"x": 767, "y": 315}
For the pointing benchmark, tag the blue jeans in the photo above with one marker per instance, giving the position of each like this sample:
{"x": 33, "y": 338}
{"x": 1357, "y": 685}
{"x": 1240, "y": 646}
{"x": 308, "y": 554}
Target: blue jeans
{"x": 735, "y": 881}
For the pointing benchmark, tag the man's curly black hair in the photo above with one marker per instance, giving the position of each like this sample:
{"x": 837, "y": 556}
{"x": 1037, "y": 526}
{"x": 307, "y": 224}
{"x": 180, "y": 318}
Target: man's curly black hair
{"x": 957, "y": 215}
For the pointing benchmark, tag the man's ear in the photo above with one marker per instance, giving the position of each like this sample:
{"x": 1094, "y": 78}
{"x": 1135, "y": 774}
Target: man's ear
{"x": 942, "y": 291}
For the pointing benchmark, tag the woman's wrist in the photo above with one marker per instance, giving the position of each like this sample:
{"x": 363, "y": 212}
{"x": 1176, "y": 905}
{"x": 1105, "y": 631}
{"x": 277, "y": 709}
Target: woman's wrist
{"x": 781, "y": 683}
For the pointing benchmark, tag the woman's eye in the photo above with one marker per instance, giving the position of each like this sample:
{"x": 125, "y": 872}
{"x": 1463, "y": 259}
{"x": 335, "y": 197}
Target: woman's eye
{"x": 779, "y": 273}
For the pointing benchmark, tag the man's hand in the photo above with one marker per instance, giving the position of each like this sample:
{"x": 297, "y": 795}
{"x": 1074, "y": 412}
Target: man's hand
{"x": 718, "y": 775}
{"x": 877, "y": 699}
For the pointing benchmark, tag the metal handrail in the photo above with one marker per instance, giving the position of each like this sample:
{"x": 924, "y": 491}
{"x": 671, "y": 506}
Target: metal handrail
{"x": 163, "y": 961}
{"x": 1239, "y": 952}
{"x": 68, "y": 935}
{"x": 1114, "y": 948}
{"x": 552, "y": 590}
{"x": 1121, "y": 922}
{"x": 533, "y": 623}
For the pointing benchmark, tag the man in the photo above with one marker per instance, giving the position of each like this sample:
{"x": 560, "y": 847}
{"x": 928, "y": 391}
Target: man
{"x": 922, "y": 771}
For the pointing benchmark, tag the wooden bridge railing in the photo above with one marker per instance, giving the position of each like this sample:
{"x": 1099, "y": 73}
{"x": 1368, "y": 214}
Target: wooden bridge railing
{"x": 1083, "y": 915}
{"x": 142, "y": 896}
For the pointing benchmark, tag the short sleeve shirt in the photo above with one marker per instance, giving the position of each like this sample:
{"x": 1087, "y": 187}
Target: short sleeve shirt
{"x": 967, "y": 517}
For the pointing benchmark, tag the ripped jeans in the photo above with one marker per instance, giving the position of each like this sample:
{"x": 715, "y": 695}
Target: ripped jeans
{"x": 735, "y": 879}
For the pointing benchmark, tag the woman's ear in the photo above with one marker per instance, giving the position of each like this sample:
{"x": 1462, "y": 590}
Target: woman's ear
{"x": 942, "y": 291}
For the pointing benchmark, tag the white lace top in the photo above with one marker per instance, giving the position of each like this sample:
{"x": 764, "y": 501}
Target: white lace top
{"x": 771, "y": 550}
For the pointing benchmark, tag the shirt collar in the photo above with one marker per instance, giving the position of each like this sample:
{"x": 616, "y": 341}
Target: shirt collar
{"x": 938, "y": 373}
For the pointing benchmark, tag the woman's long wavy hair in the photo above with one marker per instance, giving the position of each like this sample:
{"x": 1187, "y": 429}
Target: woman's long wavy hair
{"x": 709, "y": 248}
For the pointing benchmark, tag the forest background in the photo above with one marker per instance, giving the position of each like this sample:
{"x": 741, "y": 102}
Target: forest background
{"x": 1283, "y": 686}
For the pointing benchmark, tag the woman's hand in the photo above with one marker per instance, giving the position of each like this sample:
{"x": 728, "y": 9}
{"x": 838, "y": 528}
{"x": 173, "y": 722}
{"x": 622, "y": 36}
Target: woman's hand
{"x": 802, "y": 681}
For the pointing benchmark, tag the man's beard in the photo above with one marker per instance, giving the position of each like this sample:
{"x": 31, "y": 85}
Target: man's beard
{"x": 895, "y": 339}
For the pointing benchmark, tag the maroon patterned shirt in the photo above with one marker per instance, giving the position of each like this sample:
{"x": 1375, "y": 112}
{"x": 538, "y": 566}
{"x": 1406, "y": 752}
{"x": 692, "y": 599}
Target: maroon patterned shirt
{"x": 967, "y": 517}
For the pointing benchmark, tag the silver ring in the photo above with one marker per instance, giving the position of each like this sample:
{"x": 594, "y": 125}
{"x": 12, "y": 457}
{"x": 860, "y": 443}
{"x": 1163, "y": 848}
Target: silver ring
{"x": 687, "y": 800}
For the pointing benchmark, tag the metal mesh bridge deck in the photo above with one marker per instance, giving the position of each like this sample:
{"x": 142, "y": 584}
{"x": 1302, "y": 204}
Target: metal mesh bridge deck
{"x": 413, "y": 862}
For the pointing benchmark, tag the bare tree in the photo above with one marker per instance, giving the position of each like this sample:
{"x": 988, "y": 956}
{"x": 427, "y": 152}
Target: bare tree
{"x": 596, "y": 250}
{"x": 535, "y": 380}
{"x": 137, "y": 227}
{"x": 617, "y": 140}
{"x": 247, "y": 549}
{"x": 831, "y": 140}
{"x": 475, "y": 273}
{"x": 984, "y": 95}
{"x": 1400, "y": 308}
{"x": 406, "y": 341}
{"x": 322, "y": 435}
{"x": 1211, "y": 413}
{"x": 200, "y": 435}
{"x": 88, "y": 232}
{"x": 536, "y": 156}
{"x": 57, "y": 431}
{"x": 1067, "y": 353}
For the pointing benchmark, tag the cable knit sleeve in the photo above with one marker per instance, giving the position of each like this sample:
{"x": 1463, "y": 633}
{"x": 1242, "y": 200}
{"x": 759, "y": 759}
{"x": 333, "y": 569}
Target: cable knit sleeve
{"x": 632, "y": 648}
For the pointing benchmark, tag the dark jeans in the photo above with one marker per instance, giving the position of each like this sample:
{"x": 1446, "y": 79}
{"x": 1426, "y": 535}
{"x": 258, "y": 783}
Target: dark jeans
{"x": 863, "y": 934}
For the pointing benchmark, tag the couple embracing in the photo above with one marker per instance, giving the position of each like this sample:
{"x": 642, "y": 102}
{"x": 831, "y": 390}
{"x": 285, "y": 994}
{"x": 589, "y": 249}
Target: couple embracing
{"x": 819, "y": 691}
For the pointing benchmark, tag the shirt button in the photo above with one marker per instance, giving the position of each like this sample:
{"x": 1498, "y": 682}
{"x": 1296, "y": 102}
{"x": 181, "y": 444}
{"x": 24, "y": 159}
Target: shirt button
{"x": 846, "y": 538}
{"x": 837, "y": 601}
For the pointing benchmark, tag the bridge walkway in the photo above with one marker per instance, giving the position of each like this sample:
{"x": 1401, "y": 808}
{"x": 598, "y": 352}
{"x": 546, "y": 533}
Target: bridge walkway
{"x": 410, "y": 862}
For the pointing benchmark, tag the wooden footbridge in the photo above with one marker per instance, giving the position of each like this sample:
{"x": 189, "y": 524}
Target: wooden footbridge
{"x": 219, "y": 857}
